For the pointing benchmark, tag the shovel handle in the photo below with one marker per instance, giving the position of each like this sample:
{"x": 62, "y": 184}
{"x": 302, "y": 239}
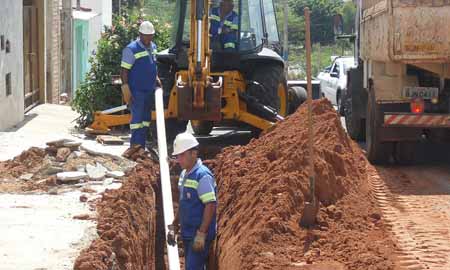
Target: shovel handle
{"x": 309, "y": 100}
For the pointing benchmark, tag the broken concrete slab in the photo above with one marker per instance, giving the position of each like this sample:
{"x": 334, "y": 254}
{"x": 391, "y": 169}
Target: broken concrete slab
{"x": 50, "y": 170}
{"x": 26, "y": 177}
{"x": 74, "y": 146}
{"x": 108, "y": 181}
{"x": 110, "y": 140}
{"x": 95, "y": 152}
{"x": 59, "y": 143}
{"x": 115, "y": 174}
{"x": 97, "y": 172}
{"x": 71, "y": 176}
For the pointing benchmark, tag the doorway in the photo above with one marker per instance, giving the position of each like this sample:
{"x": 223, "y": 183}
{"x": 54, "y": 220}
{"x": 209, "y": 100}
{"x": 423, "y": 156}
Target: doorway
{"x": 31, "y": 55}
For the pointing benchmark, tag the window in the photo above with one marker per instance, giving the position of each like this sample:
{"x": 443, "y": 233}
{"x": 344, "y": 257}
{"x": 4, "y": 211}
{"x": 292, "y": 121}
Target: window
{"x": 271, "y": 22}
{"x": 251, "y": 25}
{"x": 336, "y": 68}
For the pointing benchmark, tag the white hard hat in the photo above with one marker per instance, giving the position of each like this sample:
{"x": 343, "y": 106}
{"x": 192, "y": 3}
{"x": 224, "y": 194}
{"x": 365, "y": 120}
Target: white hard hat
{"x": 183, "y": 142}
{"x": 146, "y": 28}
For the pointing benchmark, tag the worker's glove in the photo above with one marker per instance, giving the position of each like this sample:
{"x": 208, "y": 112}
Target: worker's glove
{"x": 199, "y": 242}
{"x": 172, "y": 235}
{"x": 126, "y": 93}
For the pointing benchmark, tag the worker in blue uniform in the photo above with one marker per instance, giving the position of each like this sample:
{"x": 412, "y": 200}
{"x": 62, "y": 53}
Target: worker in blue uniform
{"x": 224, "y": 26}
{"x": 139, "y": 78}
{"x": 197, "y": 205}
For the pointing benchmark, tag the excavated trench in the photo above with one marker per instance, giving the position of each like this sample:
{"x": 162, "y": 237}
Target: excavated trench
{"x": 262, "y": 187}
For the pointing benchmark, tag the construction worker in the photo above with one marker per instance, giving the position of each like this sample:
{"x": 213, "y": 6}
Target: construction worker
{"x": 139, "y": 79}
{"x": 198, "y": 202}
{"x": 224, "y": 25}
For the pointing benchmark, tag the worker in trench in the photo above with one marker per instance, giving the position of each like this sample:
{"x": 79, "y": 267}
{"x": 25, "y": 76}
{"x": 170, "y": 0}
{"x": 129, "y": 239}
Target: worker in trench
{"x": 197, "y": 205}
{"x": 139, "y": 79}
{"x": 224, "y": 26}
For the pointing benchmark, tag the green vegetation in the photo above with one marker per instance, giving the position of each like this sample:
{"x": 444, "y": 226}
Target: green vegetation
{"x": 322, "y": 13}
{"x": 98, "y": 92}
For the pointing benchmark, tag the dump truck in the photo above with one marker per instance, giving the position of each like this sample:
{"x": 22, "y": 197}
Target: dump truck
{"x": 399, "y": 92}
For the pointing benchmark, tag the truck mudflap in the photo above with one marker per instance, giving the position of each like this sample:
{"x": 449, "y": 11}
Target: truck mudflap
{"x": 416, "y": 120}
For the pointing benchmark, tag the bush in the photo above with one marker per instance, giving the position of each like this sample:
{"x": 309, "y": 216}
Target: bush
{"x": 97, "y": 92}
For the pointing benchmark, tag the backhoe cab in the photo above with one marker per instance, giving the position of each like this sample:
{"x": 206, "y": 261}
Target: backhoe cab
{"x": 212, "y": 85}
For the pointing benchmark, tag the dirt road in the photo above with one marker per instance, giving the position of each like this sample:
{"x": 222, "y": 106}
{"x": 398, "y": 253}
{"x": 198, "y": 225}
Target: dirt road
{"x": 416, "y": 203}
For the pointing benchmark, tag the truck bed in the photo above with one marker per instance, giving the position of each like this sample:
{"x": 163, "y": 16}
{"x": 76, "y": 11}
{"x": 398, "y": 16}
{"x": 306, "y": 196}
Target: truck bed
{"x": 406, "y": 30}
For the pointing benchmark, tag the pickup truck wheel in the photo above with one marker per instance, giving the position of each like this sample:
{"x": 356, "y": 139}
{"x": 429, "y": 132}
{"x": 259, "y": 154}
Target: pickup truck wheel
{"x": 377, "y": 151}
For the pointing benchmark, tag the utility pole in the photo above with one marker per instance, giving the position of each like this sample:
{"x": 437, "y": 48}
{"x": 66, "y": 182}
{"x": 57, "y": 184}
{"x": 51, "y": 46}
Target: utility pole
{"x": 285, "y": 34}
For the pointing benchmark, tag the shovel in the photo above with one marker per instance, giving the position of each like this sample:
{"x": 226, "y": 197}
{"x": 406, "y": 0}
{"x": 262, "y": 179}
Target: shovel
{"x": 311, "y": 208}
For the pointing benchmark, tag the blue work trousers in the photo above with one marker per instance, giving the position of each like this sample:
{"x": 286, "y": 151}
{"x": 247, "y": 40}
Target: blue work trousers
{"x": 195, "y": 260}
{"x": 141, "y": 109}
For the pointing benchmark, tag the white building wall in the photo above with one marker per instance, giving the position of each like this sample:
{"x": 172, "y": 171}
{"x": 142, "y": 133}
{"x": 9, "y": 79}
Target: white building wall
{"x": 102, "y": 7}
{"x": 11, "y": 27}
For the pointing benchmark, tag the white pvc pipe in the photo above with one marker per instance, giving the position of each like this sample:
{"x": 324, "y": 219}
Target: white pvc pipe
{"x": 172, "y": 251}
{"x": 199, "y": 41}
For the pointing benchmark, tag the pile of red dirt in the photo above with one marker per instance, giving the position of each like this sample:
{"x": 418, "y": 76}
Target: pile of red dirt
{"x": 126, "y": 225}
{"x": 27, "y": 160}
{"x": 263, "y": 186}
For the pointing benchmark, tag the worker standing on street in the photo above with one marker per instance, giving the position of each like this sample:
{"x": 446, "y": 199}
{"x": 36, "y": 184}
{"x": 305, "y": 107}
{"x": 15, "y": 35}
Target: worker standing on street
{"x": 139, "y": 78}
{"x": 224, "y": 25}
{"x": 198, "y": 203}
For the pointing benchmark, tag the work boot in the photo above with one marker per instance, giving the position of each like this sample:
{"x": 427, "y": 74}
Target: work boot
{"x": 130, "y": 151}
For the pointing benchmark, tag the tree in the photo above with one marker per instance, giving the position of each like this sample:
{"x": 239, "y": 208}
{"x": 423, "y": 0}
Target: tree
{"x": 98, "y": 92}
{"x": 322, "y": 12}
{"x": 348, "y": 12}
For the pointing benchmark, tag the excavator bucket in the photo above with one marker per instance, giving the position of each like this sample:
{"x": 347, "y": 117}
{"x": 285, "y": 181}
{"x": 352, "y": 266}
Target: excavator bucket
{"x": 210, "y": 110}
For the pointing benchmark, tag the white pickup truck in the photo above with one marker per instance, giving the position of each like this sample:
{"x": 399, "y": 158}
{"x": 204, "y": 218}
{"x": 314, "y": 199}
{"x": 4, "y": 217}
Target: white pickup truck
{"x": 333, "y": 79}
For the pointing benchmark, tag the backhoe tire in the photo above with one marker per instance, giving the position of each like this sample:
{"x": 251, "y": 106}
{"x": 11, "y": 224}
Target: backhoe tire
{"x": 202, "y": 127}
{"x": 377, "y": 151}
{"x": 274, "y": 92}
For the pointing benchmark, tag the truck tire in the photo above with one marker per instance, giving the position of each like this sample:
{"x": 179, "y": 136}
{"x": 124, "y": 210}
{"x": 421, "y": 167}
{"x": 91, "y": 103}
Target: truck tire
{"x": 404, "y": 153}
{"x": 202, "y": 127}
{"x": 353, "y": 123}
{"x": 377, "y": 151}
{"x": 274, "y": 90}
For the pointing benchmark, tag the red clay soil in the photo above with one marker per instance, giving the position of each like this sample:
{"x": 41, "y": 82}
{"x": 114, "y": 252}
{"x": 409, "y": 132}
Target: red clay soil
{"x": 126, "y": 225}
{"x": 263, "y": 185}
{"x": 29, "y": 161}
{"x": 23, "y": 163}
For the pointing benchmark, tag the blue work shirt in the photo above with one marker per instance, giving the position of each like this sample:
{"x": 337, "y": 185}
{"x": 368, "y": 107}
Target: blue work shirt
{"x": 141, "y": 63}
{"x": 224, "y": 30}
{"x": 197, "y": 188}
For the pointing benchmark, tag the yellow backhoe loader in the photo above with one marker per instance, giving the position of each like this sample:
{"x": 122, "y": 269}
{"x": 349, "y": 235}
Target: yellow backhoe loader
{"x": 209, "y": 86}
